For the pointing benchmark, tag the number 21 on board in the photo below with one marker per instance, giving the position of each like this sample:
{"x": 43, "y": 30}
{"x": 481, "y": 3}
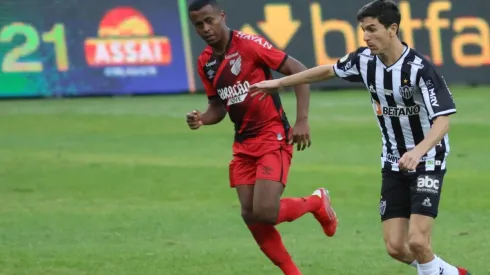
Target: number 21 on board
{"x": 32, "y": 40}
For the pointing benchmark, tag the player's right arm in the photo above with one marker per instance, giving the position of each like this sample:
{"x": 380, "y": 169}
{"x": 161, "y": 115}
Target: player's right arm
{"x": 215, "y": 112}
{"x": 346, "y": 68}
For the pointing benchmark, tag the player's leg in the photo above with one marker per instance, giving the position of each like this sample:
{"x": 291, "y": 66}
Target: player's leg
{"x": 394, "y": 209}
{"x": 271, "y": 209}
{"x": 267, "y": 236}
{"x": 425, "y": 192}
{"x": 242, "y": 178}
{"x": 266, "y": 206}
{"x": 395, "y": 234}
{"x": 272, "y": 174}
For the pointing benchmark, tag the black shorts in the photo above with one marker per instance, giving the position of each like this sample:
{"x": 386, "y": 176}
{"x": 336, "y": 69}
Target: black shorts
{"x": 404, "y": 193}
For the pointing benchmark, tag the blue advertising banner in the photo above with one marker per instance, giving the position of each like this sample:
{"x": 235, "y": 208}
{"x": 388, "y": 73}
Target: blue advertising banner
{"x": 89, "y": 47}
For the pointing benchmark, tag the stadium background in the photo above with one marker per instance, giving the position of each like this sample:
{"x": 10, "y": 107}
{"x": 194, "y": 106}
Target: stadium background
{"x": 118, "y": 185}
{"x": 72, "y": 48}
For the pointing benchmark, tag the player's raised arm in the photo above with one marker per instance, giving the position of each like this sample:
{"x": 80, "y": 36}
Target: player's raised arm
{"x": 316, "y": 74}
{"x": 346, "y": 68}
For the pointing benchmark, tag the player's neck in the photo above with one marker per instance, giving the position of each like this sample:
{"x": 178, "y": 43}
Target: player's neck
{"x": 221, "y": 46}
{"x": 392, "y": 54}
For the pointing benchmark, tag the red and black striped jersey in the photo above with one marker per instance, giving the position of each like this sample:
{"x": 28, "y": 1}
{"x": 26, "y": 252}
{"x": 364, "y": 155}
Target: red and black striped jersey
{"x": 248, "y": 59}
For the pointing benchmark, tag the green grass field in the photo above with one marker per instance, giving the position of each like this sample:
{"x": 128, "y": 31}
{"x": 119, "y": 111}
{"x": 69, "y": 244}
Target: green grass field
{"x": 120, "y": 186}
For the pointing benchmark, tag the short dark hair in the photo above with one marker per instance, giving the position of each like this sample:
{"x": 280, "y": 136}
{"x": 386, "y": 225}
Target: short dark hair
{"x": 386, "y": 11}
{"x": 199, "y": 4}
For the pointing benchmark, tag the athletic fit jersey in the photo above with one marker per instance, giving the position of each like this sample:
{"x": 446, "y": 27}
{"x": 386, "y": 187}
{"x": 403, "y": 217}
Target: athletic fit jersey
{"x": 406, "y": 96}
{"x": 248, "y": 59}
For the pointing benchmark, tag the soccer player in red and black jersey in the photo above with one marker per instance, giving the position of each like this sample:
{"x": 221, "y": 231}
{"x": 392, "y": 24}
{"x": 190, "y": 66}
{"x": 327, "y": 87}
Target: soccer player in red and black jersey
{"x": 263, "y": 145}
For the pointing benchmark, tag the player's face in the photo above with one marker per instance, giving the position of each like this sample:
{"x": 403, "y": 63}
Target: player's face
{"x": 209, "y": 23}
{"x": 377, "y": 37}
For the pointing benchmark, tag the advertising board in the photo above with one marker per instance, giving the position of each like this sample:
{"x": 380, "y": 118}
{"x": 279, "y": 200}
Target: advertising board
{"x": 92, "y": 47}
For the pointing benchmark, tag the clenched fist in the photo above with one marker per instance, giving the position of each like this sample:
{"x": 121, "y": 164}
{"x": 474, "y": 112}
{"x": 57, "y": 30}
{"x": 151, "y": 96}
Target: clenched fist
{"x": 194, "y": 120}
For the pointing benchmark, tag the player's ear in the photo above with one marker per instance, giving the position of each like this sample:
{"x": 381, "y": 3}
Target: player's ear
{"x": 393, "y": 29}
{"x": 223, "y": 14}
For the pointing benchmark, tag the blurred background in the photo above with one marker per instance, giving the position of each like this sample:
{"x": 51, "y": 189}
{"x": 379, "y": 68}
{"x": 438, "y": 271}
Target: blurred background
{"x": 99, "y": 173}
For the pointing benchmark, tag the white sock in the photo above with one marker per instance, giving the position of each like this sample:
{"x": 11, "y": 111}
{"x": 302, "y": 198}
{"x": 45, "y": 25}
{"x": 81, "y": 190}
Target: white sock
{"x": 447, "y": 269}
{"x": 430, "y": 268}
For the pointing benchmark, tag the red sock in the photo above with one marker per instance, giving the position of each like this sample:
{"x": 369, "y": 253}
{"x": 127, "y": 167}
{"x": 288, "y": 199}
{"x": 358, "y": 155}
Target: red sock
{"x": 270, "y": 242}
{"x": 293, "y": 208}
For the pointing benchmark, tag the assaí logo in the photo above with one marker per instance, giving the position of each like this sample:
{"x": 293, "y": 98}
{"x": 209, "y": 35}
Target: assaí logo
{"x": 126, "y": 45}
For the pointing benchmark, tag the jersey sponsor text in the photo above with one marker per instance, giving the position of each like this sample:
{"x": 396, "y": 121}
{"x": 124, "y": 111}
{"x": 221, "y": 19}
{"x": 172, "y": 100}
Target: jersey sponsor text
{"x": 401, "y": 111}
{"x": 407, "y": 97}
{"x": 234, "y": 94}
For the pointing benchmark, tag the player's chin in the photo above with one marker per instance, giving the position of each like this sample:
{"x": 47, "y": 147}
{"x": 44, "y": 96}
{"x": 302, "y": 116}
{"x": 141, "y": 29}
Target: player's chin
{"x": 374, "y": 50}
{"x": 211, "y": 40}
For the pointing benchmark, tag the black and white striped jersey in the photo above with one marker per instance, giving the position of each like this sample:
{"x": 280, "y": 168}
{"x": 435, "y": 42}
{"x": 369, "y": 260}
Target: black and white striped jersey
{"x": 406, "y": 98}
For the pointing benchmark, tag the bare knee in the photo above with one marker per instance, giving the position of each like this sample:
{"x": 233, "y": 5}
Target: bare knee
{"x": 267, "y": 195}
{"x": 245, "y": 195}
{"x": 419, "y": 244}
{"x": 248, "y": 215}
{"x": 395, "y": 232}
{"x": 397, "y": 249}
{"x": 419, "y": 237}
{"x": 265, "y": 214}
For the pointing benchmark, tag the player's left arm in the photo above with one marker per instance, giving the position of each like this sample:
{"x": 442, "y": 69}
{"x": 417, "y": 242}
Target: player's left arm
{"x": 302, "y": 91}
{"x": 440, "y": 105}
{"x": 346, "y": 68}
{"x": 281, "y": 62}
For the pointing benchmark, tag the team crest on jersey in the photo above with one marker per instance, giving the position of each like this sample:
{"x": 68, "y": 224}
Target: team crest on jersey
{"x": 210, "y": 74}
{"x": 382, "y": 207}
{"x": 407, "y": 91}
{"x": 236, "y": 65}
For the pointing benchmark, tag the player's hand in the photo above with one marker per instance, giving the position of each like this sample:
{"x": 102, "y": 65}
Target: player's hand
{"x": 301, "y": 135}
{"x": 265, "y": 88}
{"x": 194, "y": 120}
{"x": 410, "y": 160}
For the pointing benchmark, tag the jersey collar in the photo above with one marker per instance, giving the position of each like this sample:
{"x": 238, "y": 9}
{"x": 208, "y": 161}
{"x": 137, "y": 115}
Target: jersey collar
{"x": 400, "y": 59}
{"x": 228, "y": 45}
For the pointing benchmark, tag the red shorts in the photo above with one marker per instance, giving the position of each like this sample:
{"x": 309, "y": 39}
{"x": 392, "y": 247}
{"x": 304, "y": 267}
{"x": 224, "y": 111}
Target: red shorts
{"x": 260, "y": 161}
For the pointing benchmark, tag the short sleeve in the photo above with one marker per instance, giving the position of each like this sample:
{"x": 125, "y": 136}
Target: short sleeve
{"x": 437, "y": 97}
{"x": 208, "y": 87}
{"x": 347, "y": 67}
{"x": 267, "y": 54}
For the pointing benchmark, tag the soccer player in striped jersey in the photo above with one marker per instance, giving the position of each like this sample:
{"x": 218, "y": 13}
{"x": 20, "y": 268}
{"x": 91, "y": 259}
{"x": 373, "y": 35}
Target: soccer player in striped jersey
{"x": 412, "y": 105}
